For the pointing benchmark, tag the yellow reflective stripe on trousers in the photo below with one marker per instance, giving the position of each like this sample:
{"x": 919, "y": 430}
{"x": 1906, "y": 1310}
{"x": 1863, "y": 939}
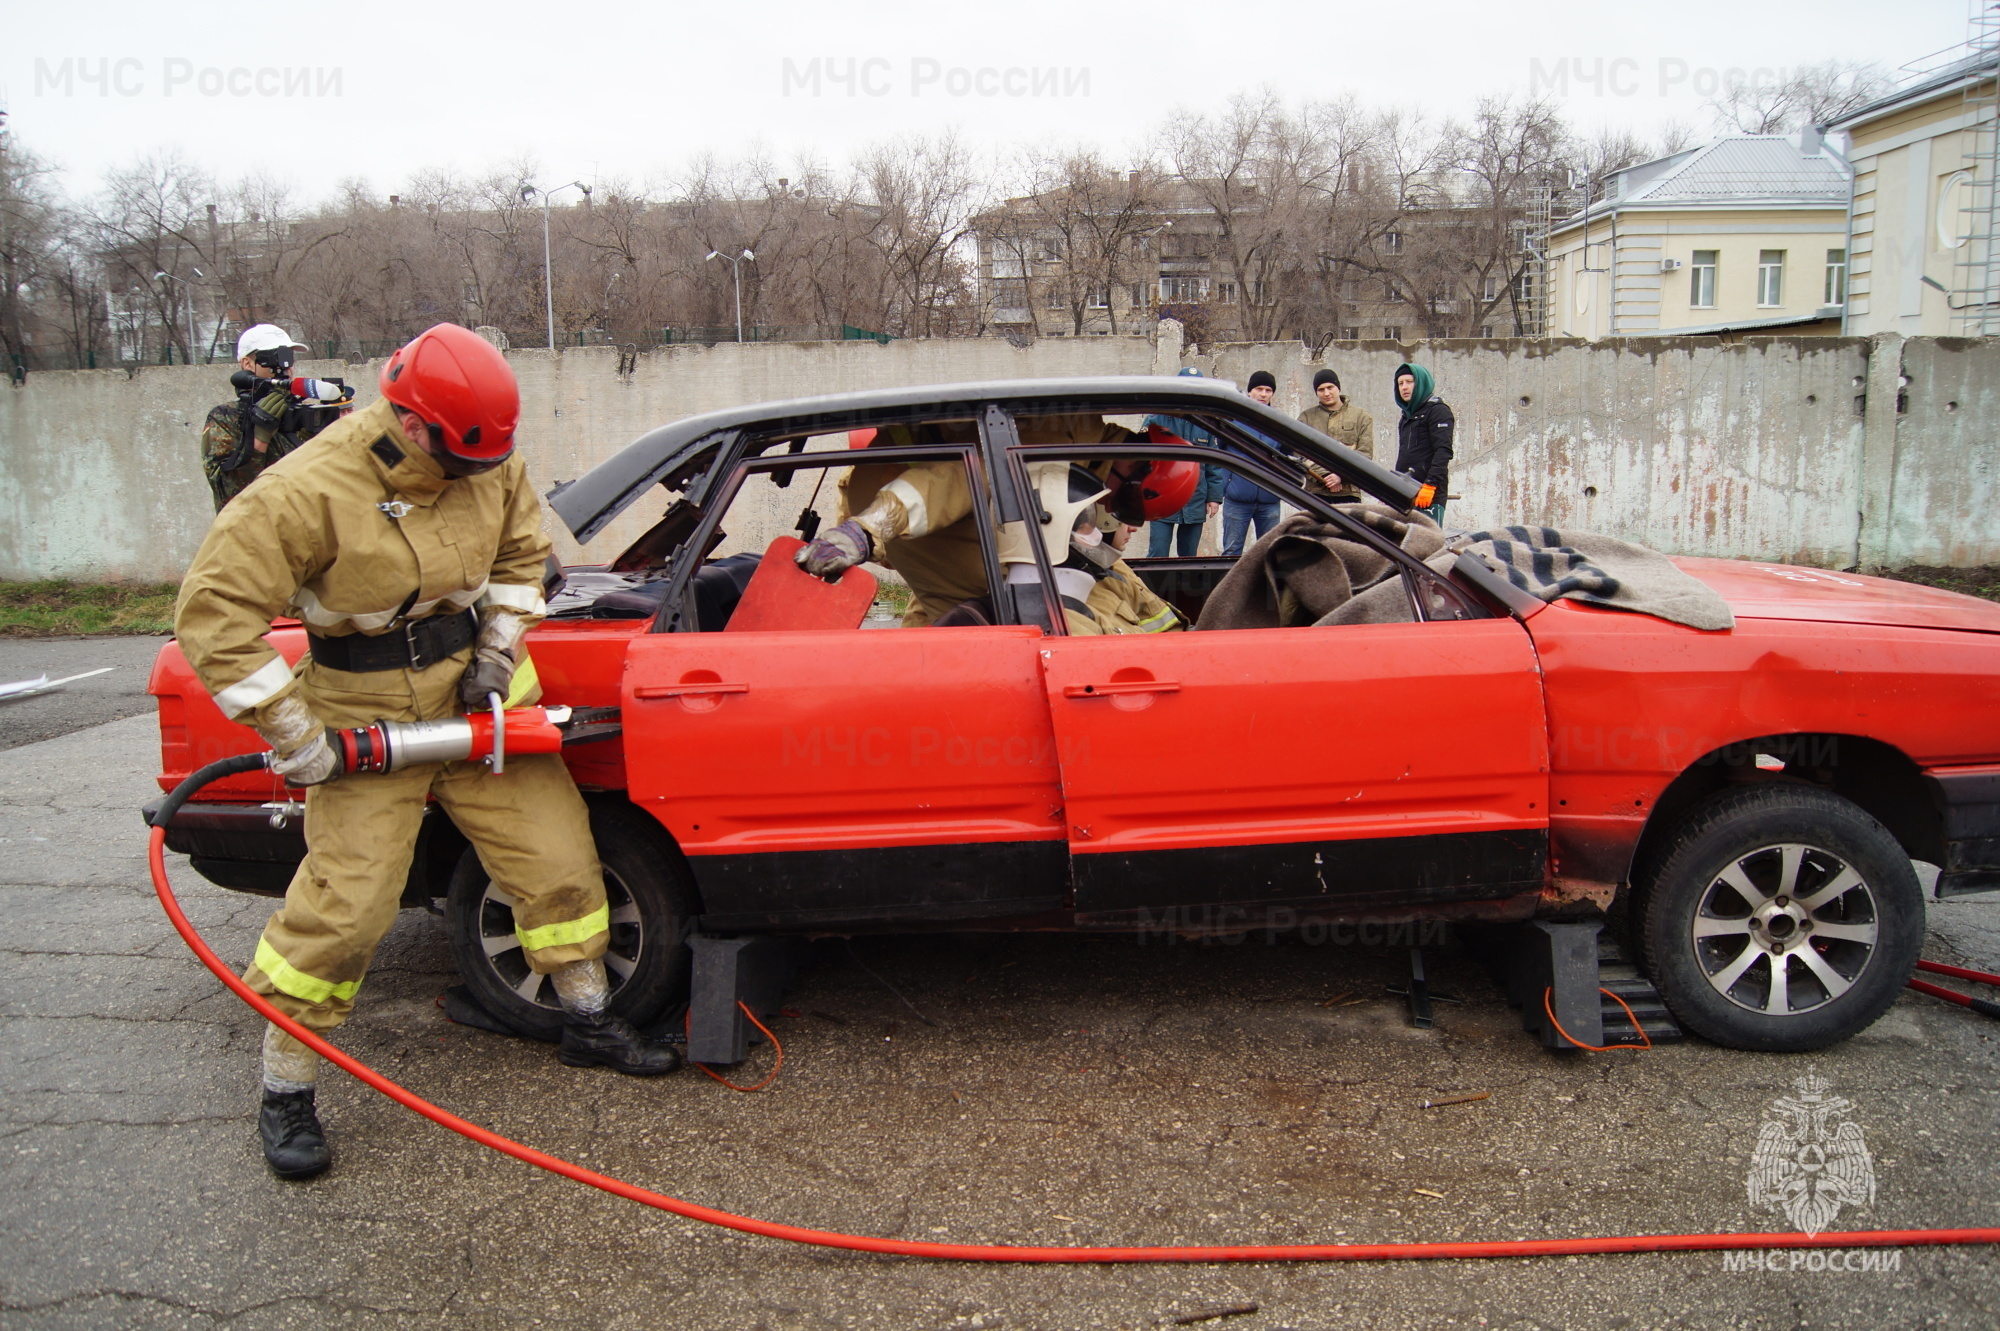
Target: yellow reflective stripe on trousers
{"x": 289, "y": 979}
{"x": 525, "y": 680}
{"x": 569, "y": 931}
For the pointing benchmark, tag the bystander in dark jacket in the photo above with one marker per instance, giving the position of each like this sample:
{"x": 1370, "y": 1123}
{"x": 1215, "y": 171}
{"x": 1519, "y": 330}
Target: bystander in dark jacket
{"x": 1424, "y": 435}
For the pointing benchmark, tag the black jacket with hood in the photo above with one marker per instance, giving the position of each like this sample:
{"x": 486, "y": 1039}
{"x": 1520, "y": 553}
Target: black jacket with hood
{"x": 1424, "y": 435}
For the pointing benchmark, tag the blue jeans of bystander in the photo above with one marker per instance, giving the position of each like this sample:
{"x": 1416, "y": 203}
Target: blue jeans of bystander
{"x": 1238, "y": 517}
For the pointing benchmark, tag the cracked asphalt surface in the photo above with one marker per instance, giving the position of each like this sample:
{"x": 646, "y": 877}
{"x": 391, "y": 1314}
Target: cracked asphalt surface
{"x": 1056, "y": 1090}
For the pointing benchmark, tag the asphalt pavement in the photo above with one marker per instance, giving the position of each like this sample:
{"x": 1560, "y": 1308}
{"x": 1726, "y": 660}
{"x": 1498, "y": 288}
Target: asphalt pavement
{"x": 118, "y": 693}
{"x": 1042, "y": 1090}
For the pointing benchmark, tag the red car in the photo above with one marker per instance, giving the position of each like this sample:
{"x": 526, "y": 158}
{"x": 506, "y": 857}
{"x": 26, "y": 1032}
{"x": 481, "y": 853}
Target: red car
{"x": 1750, "y": 798}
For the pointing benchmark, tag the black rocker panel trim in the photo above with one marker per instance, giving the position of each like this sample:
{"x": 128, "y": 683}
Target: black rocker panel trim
{"x": 235, "y": 846}
{"x": 958, "y": 881}
{"x": 1338, "y": 877}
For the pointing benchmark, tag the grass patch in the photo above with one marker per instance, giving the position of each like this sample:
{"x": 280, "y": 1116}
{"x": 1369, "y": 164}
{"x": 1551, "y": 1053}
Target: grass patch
{"x": 72, "y": 609}
{"x": 893, "y": 598}
{"x": 1983, "y": 582}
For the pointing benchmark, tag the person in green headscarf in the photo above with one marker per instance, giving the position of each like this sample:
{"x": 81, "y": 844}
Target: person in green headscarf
{"x": 1423, "y": 436}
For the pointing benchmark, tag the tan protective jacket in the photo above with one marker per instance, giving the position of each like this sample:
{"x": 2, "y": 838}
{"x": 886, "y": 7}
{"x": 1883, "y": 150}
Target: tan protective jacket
{"x": 934, "y": 543}
{"x": 936, "y": 547}
{"x": 355, "y": 529}
{"x": 1122, "y": 603}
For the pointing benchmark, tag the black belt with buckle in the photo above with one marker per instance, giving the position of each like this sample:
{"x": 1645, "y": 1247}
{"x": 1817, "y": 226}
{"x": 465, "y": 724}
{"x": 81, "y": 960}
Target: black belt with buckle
{"x": 417, "y": 644}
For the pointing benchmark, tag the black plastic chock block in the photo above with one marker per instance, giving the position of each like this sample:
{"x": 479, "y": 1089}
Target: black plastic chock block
{"x": 753, "y": 971}
{"x": 1557, "y": 962}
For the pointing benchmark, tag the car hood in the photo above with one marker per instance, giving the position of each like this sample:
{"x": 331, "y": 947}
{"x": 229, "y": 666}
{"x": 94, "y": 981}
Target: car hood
{"x": 1757, "y": 590}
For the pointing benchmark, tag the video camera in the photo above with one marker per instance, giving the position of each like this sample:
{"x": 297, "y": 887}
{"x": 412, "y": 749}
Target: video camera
{"x": 310, "y": 405}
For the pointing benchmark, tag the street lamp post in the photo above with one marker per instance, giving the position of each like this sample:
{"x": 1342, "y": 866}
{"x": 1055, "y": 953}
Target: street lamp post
{"x": 190, "y": 289}
{"x": 735, "y": 267}
{"x": 548, "y": 275}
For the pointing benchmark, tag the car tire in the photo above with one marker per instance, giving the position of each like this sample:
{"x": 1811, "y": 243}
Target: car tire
{"x": 651, "y": 902}
{"x": 1779, "y": 917}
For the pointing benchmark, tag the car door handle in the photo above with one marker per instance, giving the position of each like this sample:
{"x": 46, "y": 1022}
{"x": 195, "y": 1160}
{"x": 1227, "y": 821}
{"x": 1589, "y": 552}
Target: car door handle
{"x": 1120, "y": 688}
{"x": 686, "y": 690}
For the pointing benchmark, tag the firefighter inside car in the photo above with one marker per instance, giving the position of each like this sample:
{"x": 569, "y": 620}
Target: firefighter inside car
{"x": 918, "y": 519}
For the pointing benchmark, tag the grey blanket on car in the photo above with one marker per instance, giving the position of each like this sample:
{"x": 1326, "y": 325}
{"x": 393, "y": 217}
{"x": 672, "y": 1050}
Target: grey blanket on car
{"x": 1305, "y": 571}
{"x": 1594, "y": 569}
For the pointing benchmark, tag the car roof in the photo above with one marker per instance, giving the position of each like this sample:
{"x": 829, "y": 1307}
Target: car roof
{"x": 589, "y": 503}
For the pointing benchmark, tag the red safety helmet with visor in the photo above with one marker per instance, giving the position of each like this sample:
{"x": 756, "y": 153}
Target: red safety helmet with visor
{"x": 461, "y": 384}
{"x": 1148, "y": 489}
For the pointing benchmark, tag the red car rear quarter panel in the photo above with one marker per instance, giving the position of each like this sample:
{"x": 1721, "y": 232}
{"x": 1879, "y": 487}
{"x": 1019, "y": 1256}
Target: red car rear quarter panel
{"x": 581, "y": 663}
{"x": 1633, "y": 701}
{"x": 194, "y": 732}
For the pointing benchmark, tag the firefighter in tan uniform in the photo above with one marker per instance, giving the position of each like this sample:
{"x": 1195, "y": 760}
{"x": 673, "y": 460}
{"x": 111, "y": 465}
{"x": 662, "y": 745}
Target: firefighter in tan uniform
{"x": 917, "y": 518}
{"x": 407, "y": 539}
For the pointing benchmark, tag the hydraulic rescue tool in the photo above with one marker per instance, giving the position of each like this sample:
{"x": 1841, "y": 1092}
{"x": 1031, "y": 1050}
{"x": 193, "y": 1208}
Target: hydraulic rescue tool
{"x": 390, "y": 746}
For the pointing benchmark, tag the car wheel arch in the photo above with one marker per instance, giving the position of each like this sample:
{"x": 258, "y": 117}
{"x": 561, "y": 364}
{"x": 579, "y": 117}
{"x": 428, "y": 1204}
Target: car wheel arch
{"x": 621, "y": 811}
{"x": 1878, "y": 777}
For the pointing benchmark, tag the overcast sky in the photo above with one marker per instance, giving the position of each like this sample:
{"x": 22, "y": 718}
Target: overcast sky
{"x": 319, "y": 93}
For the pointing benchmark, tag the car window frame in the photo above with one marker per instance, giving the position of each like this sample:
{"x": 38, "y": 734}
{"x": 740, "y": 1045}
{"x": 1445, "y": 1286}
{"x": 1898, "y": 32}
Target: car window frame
{"x": 1415, "y": 574}
{"x": 727, "y": 478}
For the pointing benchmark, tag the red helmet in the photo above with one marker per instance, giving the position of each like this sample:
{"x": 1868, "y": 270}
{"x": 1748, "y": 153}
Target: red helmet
{"x": 458, "y": 381}
{"x": 1146, "y": 491}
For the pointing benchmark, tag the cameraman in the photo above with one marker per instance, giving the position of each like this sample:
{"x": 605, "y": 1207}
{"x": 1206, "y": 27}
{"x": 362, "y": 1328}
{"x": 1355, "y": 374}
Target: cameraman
{"x": 243, "y": 437}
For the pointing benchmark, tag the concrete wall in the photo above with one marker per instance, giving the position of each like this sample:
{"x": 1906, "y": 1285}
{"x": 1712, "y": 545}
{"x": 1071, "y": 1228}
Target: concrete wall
{"x": 1779, "y": 448}
{"x": 1751, "y": 450}
{"x": 100, "y": 472}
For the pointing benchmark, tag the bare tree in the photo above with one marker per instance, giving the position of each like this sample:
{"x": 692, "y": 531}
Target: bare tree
{"x": 926, "y": 192}
{"x": 1247, "y": 171}
{"x": 1372, "y": 242}
{"x": 1079, "y": 235}
{"x": 1812, "y": 95}
{"x": 152, "y": 219}
{"x": 34, "y": 251}
{"x": 1342, "y": 209}
{"x": 1263, "y": 219}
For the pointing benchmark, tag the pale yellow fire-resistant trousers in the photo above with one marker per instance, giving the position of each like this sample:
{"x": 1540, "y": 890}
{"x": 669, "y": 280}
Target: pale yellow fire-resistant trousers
{"x": 531, "y": 831}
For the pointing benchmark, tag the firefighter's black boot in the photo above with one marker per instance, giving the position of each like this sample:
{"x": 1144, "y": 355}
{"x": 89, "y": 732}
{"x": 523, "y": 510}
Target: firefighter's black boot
{"x": 294, "y": 1144}
{"x": 598, "y": 1039}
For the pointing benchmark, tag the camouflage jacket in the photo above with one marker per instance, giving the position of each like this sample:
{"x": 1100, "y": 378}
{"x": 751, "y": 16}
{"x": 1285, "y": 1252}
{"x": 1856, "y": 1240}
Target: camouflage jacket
{"x": 219, "y": 437}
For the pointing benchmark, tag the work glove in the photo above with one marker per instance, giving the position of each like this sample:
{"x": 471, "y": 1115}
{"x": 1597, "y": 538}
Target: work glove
{"x": 315, "y": 763}
{"x": 836, "y": 550}
{"x": 491, "y": 670}
{"x": 298, "y": 739}
{"x": 495, "y": 655}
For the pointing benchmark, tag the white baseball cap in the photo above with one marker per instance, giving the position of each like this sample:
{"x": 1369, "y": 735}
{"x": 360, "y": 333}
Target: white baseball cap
{"x": 264, "y": 337}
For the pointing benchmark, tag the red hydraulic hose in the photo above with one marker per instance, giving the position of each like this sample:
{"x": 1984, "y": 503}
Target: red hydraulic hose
{"x": 1939, "y": 968}
{"x": 1984, "y": 1007}
{"x": 972, "y": 1252}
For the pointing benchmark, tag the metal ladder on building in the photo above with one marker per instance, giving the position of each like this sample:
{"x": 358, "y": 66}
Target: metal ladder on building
{"x": 1975, "y": 296}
